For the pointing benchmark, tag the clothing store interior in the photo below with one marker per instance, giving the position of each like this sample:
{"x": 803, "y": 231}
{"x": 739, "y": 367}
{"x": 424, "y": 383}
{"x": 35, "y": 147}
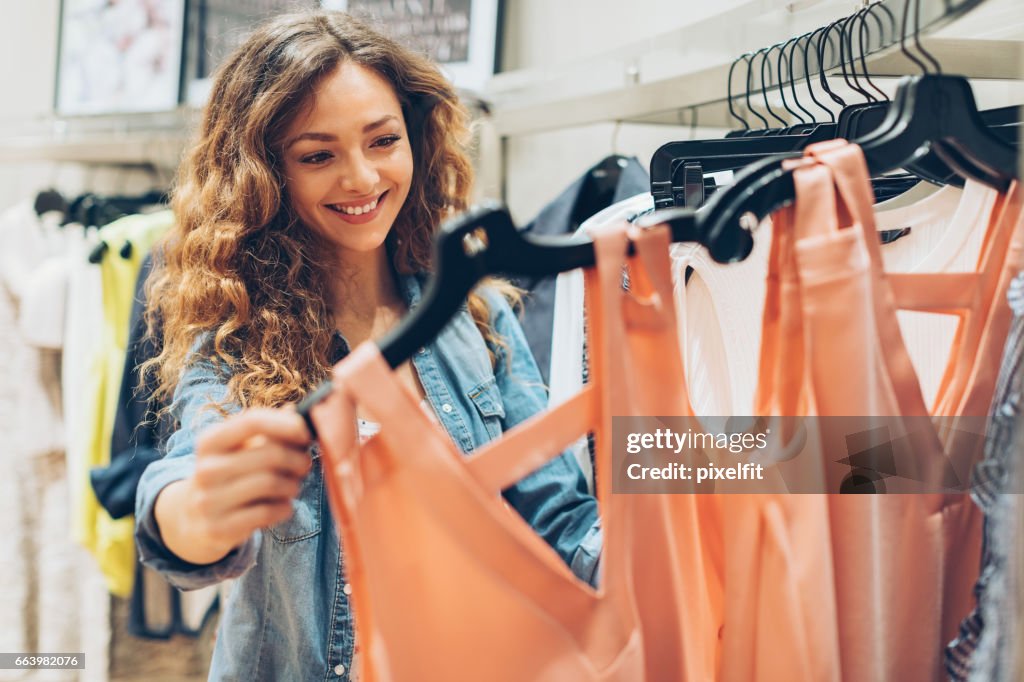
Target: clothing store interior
{"x": 512, "y": 340}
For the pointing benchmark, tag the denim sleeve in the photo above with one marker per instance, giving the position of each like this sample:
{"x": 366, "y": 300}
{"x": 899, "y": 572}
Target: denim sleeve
{"x": 553, "y": 499}
{"x": 199, "y": 387}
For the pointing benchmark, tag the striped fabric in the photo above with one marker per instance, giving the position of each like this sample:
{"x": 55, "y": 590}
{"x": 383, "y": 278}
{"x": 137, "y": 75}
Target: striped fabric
{"x": 981, "y": 650}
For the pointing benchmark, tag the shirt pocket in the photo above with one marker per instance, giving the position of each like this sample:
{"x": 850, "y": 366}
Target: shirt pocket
{"x": 487, "y": 399}
{"x": 306, "y": 507}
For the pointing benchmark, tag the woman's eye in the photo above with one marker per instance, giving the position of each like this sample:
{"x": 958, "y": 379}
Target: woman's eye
{"x": 315, "y": 158}
{"x": 386, "y": 141}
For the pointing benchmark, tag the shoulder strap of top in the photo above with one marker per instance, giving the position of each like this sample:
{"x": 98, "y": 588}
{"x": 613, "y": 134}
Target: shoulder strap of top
{"x": 854, "y": 187}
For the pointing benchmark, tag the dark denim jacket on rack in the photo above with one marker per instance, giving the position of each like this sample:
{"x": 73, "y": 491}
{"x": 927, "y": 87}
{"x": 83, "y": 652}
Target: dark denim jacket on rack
{"x": 288, "y": 615}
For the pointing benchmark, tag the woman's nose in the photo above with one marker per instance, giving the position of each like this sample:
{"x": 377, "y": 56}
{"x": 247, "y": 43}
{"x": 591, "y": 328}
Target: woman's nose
{"x": 359, "y": 176}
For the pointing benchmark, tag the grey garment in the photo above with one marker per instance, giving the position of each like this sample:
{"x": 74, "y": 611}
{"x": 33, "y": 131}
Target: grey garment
{"x": 983, "y": 649}
{"x": 563, "y": 216}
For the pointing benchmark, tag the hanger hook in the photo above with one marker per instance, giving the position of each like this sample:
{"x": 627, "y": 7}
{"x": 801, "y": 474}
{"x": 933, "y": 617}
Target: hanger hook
{"x": 615, "y": 137}
{"x": 750, "y": 73}
{"x": 823, "y": 67}
{"x": 765, "y": 85}
{"x": 840, "y": 24}
{"x": 807, "y": 75}
{"x": 782, "y": 83}
{"x": 848, "y": 31}
{"x": 865, "y": 47}
{"x": 903, "y": 38}
{"x": 917, "y": 39}
{"x": 793, "y": 77}
{"x": 789, "y": 77}
{"x": 880, "y": 4}
{"x": 728, "y": 96}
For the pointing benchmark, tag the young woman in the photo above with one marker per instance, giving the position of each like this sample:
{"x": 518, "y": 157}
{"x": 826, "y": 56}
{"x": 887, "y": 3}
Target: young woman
{"x": 327, "y": 157}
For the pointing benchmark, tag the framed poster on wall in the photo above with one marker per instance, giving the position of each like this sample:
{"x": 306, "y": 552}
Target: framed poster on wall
{"x": 463, "y": 36}
{"x": 216, "y": 28}
{"x": 120, "y": 56}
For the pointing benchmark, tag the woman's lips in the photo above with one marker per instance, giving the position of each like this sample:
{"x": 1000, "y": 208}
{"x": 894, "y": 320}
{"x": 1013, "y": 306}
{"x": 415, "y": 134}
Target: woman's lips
{"x": 362, "y": 217}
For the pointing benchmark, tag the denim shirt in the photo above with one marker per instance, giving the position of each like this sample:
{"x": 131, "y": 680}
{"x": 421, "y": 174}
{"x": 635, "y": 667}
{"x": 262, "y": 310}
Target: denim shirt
{"x": 288, "y": 615}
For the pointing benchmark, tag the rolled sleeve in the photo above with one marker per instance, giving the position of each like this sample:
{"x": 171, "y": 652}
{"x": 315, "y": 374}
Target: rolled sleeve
{"x": 553, "y": 499}
{"x": 199, "y": 387}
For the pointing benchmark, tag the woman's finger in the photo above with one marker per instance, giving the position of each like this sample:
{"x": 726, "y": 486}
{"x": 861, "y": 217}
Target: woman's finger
{"x": 233, "y": 433}
{"x": 214, "y": 470}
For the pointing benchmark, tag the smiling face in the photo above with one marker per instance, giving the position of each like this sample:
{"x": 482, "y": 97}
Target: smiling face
{"x": 347, "y": 160}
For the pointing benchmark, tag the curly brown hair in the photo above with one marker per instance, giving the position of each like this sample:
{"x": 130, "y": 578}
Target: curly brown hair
{"x": 240, "y": 270}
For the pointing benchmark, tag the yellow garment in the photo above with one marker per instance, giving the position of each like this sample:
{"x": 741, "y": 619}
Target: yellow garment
{"x": 109, "y": 540}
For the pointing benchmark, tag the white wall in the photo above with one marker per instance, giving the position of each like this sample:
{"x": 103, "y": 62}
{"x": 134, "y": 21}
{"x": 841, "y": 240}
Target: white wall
{"x": 28, "y": 69}
{"x": 538, "y": 34}
{"x": 28, "y": 63}
{"x": 545, "y": 33}
{"x": 541, "y": 33}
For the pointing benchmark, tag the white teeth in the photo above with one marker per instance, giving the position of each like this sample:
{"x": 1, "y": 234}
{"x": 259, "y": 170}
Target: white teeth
{"x": 358, "y": 210}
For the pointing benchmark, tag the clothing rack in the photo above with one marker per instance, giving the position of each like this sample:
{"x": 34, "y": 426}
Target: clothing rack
{"x": 666, "y": 79}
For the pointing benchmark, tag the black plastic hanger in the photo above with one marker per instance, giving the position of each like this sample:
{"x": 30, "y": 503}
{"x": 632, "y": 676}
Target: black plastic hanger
{"x": 930, "y": 112}
{"x": 484, "y": 241}
{"x": 693, "y": 185}
{"x": 50, "y": 200}
{"x": 755, "y": 132}
{"x": 807, "y": 74}
{"x": 822, "y": 78}
{"x": 667, "y": 169}
{"x": 728, "y": 95}
{"x": 852, "y": 111}
{"x": 805, "y": 125}
{"x": 764, "y": 92}
{"x": 938, "y": 112}
{"x": 857, "y": 119}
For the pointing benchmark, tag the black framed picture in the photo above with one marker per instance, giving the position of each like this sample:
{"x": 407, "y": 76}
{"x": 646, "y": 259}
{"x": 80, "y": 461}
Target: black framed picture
{"x": 119, "y": 56}
{"x": 463, "y": 36}
{"x": 216, "y": 28}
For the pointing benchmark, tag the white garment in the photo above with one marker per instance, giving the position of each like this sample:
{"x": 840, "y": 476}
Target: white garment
{"x": 566, "y": 376}
{"x": 83, "y": 334}
{"x": 720, "y": 313}
{"x": 42, "y": 316}
{"x": 947, "y": 231}
{"x": 53, "y": 598}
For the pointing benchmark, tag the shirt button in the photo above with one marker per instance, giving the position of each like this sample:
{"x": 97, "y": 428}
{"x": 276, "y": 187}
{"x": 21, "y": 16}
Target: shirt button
{"x": 446, "y": 408}
{"x": 339, "y": 670}
{"x": 422, "y": 351}
{"x": 347, "y": 589}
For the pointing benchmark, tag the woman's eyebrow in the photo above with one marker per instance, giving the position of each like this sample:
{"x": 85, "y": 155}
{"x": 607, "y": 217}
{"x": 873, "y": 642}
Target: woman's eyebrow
{"x": 320, "y": 137}
{"x": 327, "y": 137}
{"x": 379, "y": 122}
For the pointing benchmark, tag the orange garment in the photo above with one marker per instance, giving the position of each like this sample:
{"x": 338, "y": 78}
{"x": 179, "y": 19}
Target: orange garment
{"x": 475, "y": 593}
{"x": 732, "y": 587}
{"x": 903, "y": 564}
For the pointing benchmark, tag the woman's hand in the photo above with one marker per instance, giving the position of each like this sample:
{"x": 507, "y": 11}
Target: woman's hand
{"x": 248, "y": 470}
